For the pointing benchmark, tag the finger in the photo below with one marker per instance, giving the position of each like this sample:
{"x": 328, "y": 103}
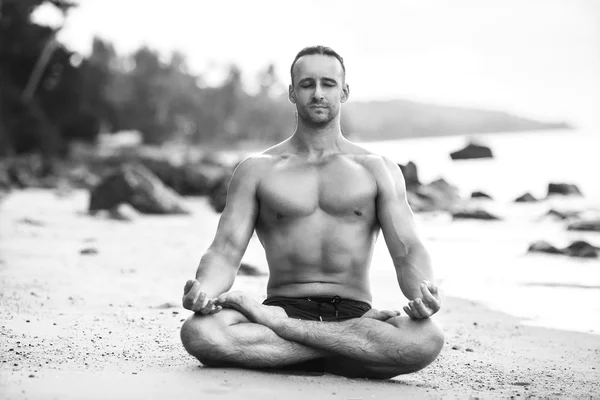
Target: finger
{"x": 428, "y": 297}
{"x": 432, "y": 288}
{"x": 422, "y": 308}
{"x": 188, "y": 298}
{"x": 413, "y": 307}
{"x": 188, "y": 286}
{"x": 208, "y": 306}
{"x": 409, "y": 312}
{"x": 200, "y": 302}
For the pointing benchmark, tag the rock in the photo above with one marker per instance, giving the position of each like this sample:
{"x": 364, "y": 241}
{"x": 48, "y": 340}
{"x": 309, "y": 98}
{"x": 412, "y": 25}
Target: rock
{"x": 411, "y": 175}
{"x": 418, "y": 203}
{"x": 167, "y": 305}
{"x": 474, "y": 214}
{"x": 542, "y": 246}
{"x": 576, "y": 249}
{"x": 123, "y": 212}
{"x": 137, "y": 186}
{"x": 526, "y": 198}
{"x": 31, "y": 221}
{"x": 592, "y": 225}
{"x": 88, "y": 251}
{"x": 471, "y": 151}
{"x": 201, "y": 179}
{"x": 480, "y": 195}
{"x": 249, "y": 270}
{"x": 5, "y": 181}
{"x": 563, "y": 189}
{"x": 439, "y": 195}
{"x": 581, "y": 249}
{"x": 561, "y": 214}
{"x": 218, "y": 196}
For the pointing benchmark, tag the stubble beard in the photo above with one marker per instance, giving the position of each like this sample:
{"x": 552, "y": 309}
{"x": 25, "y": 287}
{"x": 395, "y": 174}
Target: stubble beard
{"x": 318, "y": 123}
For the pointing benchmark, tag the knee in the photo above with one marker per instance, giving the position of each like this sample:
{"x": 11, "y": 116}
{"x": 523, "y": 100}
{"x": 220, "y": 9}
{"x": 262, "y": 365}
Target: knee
{"x": 425, "y": 344}
{"x": 202, "y": 337}
{"x": 430, "y": 342}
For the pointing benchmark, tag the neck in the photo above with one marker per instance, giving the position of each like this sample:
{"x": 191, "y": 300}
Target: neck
{"x": 318, "y": 140}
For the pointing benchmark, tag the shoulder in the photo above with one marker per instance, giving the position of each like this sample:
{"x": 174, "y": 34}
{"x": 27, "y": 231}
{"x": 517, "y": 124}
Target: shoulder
{"x": 386, "y": 174}
{"x": 377, "y": 164}
{"x": 258, "y": 165}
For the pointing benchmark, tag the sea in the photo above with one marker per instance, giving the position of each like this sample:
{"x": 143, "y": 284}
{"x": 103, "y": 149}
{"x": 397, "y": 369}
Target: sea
{"x": 487, "y": 261}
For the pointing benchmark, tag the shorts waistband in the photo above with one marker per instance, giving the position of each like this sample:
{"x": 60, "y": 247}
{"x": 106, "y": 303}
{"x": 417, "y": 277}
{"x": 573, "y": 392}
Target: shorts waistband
{"x": 322, "y": 299}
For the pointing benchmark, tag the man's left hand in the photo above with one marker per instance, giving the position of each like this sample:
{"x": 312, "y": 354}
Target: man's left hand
{"x": 428, "y": 305}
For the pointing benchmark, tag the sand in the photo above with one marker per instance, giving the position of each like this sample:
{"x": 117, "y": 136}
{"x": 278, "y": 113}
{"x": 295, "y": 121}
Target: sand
{"x": 90, "y": 308}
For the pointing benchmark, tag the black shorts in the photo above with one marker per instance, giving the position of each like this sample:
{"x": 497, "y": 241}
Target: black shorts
{"x": 320, "y": 308}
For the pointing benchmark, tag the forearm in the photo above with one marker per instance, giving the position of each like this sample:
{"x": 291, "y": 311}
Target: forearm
{"x": 412, "y": 270}
{"x": 216, "y": 273}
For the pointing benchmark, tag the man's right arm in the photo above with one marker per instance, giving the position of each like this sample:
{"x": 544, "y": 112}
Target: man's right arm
{"x": 219, "y": 264}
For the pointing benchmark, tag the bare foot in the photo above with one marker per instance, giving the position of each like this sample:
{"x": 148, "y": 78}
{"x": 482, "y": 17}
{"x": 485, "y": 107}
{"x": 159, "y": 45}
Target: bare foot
{"x": 252, "y": 309}
{"x": 380, "y": 315}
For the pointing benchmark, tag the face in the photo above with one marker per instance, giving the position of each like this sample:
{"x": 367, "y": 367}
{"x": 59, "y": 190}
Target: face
{"x": 318, "y": 88}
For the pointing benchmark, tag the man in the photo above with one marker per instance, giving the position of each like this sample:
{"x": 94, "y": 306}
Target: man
{"x": 317, "y": 203}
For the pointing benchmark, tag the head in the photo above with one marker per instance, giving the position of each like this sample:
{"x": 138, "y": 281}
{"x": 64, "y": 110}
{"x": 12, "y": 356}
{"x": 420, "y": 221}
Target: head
{"x": 318, "y": 85}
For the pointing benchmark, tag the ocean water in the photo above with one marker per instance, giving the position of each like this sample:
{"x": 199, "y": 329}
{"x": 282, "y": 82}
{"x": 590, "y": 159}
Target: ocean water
{"x": 486, "y": 261}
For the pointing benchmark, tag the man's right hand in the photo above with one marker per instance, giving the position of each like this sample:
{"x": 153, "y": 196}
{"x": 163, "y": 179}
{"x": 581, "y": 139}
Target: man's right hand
{"x": 198, "y": 301}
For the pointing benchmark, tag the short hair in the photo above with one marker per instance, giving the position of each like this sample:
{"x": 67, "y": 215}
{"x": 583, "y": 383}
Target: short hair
{"x": 321, "y": 50}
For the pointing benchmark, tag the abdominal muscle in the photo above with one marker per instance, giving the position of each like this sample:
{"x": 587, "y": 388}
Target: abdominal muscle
{"x": 313, "y": 260}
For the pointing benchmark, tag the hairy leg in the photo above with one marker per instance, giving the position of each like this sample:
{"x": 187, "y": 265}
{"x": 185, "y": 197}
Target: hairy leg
{"x": 378, "y": 346}
{"x": 229, "y": 339}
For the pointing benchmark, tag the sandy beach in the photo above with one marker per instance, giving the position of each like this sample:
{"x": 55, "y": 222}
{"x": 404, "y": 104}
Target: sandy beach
{"x": 90, "y": 308}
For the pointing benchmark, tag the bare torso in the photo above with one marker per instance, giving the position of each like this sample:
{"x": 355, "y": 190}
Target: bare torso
{"x": 317, "y": 222}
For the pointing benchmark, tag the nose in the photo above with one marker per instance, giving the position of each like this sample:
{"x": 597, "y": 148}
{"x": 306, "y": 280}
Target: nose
{"x": 318, "y": 94}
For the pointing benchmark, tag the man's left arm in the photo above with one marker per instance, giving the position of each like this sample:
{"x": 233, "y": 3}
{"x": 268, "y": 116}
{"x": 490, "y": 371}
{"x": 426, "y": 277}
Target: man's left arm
{"x": 411, "y": 259}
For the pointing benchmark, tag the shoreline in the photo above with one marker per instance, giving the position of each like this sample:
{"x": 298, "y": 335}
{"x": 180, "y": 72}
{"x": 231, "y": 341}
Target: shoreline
{"x": 105, "y": 322}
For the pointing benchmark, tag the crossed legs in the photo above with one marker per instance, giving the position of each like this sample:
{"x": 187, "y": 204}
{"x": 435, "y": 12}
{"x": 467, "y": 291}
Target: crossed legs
{"x": 248, "y": 334}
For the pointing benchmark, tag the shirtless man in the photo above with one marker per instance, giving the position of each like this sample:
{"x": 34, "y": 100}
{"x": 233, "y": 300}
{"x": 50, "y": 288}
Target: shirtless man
{"x": 317, "y": 202}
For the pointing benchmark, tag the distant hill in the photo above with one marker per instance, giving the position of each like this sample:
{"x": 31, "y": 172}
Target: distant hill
{"x": 393, "y": 119}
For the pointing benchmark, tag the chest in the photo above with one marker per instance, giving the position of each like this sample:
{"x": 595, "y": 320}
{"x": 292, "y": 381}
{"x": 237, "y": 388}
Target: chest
{"x": 340, "y": 187}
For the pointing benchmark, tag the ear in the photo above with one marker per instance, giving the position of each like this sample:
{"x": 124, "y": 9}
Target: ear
{"x": 291, "y": 95}
{"x": 345, "y": 92}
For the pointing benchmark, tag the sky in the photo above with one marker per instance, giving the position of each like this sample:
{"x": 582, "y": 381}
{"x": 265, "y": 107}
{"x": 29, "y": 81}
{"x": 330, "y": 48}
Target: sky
{"x": 537, "y": 58}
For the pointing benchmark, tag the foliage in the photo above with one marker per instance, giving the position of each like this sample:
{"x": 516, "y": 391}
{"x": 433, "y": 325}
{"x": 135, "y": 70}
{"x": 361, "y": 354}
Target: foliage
{"x": 77, "y": 98}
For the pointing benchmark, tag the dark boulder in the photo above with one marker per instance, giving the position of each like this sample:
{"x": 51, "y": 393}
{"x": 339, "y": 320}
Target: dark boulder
{"x": 250, "y": 270}
{"x": 526, "y": 198}
{"x": 578, "y": 248}
{"x": 411, "y": 176}
{"x": 418, "y": 203}
{"x": 563, "y": 189}
{"x": 542, "y": 246}
{"x": 561, "y": 214}
{"x": 218, "y": 196}
{"x": 137, "y": 186}
{"x": 438, "y": 195}
{"x": 474, "y": 214}
{"x": 592, "y": 225}
{"x": 201, "y": 179}
{"x": 581, "y": 249}
{"x": 480, "y": 195}
{"x": 471, "y": 151}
